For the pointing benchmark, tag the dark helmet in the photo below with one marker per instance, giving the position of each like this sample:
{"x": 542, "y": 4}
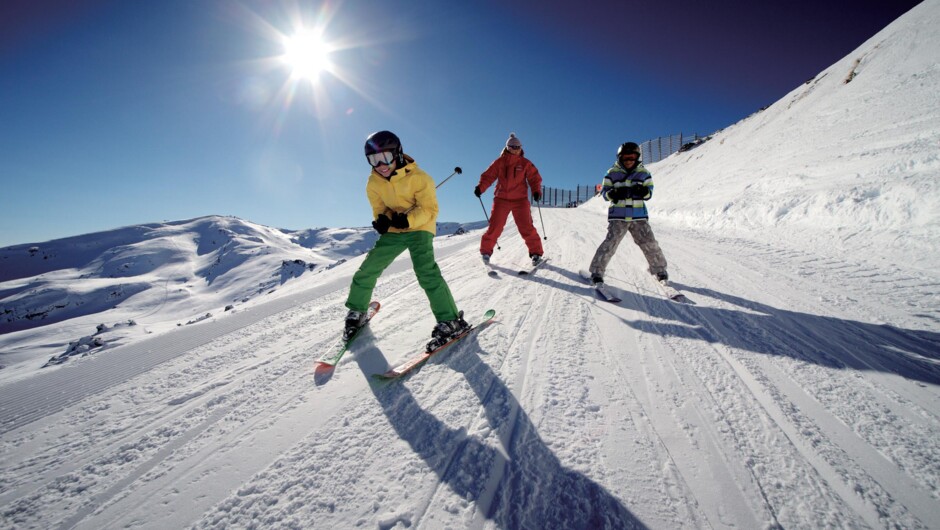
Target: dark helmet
{"x": 630, "y": 147}
{"x": 385, "y": 141}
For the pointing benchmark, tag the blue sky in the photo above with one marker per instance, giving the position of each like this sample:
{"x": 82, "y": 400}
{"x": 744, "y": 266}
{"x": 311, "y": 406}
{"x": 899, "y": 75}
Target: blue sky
{"x": 126, "y": 112}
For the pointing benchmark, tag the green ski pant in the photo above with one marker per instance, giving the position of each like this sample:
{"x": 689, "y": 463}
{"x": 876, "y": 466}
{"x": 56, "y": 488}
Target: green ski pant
{"x": 388, "y": 247}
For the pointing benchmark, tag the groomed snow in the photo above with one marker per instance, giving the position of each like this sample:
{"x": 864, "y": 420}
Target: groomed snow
{"x": 800, "y": 390}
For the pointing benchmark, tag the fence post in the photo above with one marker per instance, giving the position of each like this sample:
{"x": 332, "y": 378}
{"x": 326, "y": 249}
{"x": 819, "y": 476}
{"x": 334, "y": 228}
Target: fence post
{"x": 653, "y": 150}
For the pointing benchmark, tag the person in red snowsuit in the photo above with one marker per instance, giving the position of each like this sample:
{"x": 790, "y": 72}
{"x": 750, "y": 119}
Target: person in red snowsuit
{"x": 514, "y": 175}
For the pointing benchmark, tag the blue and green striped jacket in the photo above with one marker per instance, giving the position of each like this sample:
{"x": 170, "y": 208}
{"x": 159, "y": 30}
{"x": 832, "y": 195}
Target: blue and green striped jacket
{"x": 627, "y": 209}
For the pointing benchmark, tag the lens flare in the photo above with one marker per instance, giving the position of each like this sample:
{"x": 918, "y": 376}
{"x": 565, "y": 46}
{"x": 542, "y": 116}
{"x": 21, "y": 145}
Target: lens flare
{"x": 312, "y": 56}
{"x": 307, "y": 54}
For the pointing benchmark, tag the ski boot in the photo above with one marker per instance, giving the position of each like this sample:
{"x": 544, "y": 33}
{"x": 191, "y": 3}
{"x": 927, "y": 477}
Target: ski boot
{"x": 536, "y": 259}
{"x": 354, "y": 321}
{"x": 446, "y": 330}
{"x": 661, "y": 276}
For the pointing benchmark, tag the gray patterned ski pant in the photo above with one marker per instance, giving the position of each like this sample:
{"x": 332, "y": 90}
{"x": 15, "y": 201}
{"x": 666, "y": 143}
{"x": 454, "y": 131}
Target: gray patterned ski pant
{"x": 643, "y": 236}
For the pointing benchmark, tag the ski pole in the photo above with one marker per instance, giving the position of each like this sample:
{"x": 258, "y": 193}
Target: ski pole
{"x": 539, "y": 205}
{"x": 487, "y": 219}
{"x": 457, "y": 171}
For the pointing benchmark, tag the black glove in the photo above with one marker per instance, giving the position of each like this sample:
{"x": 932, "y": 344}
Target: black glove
{"x": 639, "y": 191}
{"x": 381, "y": 223}
{"x": 400, "y": 220}
{"x": 619, "y": 194}
{"x": 536, "y": 196}
{"x": 476, "y": 191}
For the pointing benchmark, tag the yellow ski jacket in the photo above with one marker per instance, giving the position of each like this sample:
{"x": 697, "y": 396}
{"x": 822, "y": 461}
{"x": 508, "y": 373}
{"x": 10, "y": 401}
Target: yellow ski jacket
{"x": 408, "y": 187}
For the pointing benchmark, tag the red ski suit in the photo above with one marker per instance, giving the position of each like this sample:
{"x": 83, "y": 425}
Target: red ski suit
{"x": 515, "y": 175}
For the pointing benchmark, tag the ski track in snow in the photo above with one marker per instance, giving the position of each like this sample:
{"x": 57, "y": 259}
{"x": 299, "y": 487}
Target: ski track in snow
{"x": 800, "y": 389}
{"x": 729, "y": 413}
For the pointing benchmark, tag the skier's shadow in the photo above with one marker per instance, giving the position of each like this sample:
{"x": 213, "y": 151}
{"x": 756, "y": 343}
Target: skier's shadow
{"x": 503, "y": 270}
{"x": 529, "y": 489}
{"x": 827, "y": 341}
{"x": 575, "y": 285}
{"x": 823, "y": 340}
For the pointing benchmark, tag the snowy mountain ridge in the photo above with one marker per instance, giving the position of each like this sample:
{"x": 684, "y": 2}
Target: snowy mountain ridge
{"x": 156, "y": 274}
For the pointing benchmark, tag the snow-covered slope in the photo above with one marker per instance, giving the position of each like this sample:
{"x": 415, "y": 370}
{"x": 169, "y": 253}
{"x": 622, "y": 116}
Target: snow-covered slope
{"x": 105, "y": 289}
{"x": 92, "y": 291}
{"x": 850, "y": 160}
{"x": 801, "y": 390}
{"x": 775, "y": 400}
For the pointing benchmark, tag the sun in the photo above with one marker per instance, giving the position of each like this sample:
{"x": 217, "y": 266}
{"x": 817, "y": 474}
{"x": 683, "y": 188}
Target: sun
{"x": 306, "y": 61}
{"x": 306, "y": 53}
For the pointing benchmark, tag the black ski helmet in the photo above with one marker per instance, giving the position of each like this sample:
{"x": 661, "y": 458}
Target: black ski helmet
{"x": 630, "y": 147}
{"x": 378, "y": 142}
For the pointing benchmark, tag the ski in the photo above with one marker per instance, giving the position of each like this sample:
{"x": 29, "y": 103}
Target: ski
{"x": 602, "y": 291}
{"x": 336, "y": 350}
{"x": 672, "y": 293}
{"x": 411, "y": 364}
{"x": 531, "y": 268}
{"x": 490, "y": 271}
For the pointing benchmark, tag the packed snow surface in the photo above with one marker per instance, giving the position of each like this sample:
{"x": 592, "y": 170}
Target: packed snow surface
{"x": 799, "y": 389}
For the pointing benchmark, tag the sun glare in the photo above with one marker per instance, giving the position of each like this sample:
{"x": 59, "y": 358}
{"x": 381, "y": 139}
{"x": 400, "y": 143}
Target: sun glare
{"x": 307, "y": 64}
{"x": 307, "y": 55}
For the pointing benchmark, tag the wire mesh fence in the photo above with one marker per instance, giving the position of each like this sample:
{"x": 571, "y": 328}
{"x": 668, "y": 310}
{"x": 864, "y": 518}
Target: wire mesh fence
{"x": 659, "y": 148}
{"x": 652, "y": 150}
{"x": 567, "y": 198}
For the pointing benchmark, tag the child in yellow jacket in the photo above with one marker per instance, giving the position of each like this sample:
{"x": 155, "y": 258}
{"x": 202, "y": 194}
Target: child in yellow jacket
{"x": 404, "y": 206}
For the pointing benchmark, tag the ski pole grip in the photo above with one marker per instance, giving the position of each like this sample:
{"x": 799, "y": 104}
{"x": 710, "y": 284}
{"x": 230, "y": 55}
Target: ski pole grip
{"x": 457, "y": 171}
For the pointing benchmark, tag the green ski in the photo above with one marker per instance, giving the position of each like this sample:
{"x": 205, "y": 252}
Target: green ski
{"x": 336, "y": 350}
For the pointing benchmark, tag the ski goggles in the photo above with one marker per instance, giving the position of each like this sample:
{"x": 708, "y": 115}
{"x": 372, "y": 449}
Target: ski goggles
{"x": 383, "y": 157}
{"x": 629, "y": 158}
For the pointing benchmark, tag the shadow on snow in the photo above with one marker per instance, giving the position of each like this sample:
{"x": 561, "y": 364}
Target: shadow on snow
{"x": 822, "y": 340}
{"x": 524, "y": 485}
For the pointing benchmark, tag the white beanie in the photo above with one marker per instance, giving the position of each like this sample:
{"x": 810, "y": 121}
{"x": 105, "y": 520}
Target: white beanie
{"x": 513, "y": 141}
